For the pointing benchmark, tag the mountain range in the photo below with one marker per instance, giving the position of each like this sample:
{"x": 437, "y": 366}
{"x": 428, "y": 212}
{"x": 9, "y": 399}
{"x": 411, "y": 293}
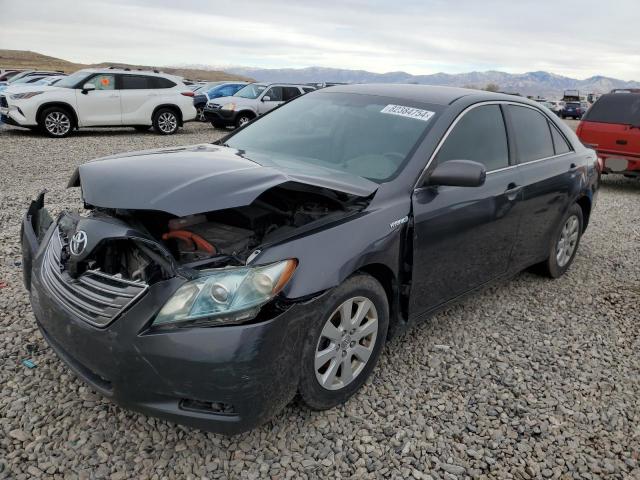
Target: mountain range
{"x": 539, "y": 83}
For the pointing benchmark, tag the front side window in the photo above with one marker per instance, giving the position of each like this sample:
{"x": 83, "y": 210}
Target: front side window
{"x": 289, "y": 93}
{"x": 532, "y": 134}
{"x": 481, "y": 136}
{"x": 365, "y": 135}
{"x": 105, "y": 81}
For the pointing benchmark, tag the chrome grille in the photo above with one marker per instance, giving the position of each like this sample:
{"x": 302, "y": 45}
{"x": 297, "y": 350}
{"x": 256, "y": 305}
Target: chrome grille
{"x": 96, "y": 297}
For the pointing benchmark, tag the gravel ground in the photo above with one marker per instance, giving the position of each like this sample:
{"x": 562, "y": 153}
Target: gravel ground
{"x": 532, "y": 378}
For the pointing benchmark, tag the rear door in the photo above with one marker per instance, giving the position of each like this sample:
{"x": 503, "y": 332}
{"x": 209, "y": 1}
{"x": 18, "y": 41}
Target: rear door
{"x": 612, "y": 127}
{"x": 463, "y": 236}
{"x": 99, "y": 107}
{"x": 136, "y": 92}
{"x": 549, "y": 169}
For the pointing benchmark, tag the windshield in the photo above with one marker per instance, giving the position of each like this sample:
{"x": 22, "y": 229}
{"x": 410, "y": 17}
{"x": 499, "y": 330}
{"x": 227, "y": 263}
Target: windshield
{"x": 72, "y": 80}
{"x": 251, "y": 91}
{"x": 364, "y": 135}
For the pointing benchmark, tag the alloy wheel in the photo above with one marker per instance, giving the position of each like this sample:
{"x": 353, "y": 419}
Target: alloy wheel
{"x": 568, "y": 240}
{"x": 57, "y": 123}
{"x": 167, "y": 122}
{"x": 243, "y": 121}
{"x": 200, "y": 114}
{"x": 346, "y": 343}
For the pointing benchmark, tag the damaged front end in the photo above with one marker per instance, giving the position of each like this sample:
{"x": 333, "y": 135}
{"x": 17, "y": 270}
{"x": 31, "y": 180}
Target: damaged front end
{"x": 99, "y": 263}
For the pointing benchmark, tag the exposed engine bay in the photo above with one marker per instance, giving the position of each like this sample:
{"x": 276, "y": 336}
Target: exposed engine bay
{"x": 214, "y": 239}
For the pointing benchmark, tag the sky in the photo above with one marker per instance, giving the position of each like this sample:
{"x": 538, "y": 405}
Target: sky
{"x": 567, "y": 37}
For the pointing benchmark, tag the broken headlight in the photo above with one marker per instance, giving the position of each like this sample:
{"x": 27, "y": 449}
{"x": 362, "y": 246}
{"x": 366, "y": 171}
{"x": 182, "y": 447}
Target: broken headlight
{"x": 230, "y": 295}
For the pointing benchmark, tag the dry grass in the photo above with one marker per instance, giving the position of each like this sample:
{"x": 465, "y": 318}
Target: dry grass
{"x": 25, "y": 59}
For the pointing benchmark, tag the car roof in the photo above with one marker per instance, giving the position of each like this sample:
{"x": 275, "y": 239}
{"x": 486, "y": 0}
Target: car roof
{"x": 433, "y": 94}
{"x": 131, "y": 71}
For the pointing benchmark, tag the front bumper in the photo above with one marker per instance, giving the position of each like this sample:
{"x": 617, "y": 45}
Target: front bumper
{"x": 13, "y": 114}
{"x": 220, "y": 117}
{"x": 222, "y": 379}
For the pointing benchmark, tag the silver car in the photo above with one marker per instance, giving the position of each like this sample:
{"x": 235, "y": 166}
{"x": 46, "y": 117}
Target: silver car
{"x": 250, "y": 102}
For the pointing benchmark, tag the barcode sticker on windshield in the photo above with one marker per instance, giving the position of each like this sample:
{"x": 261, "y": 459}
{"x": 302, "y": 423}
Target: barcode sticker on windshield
{"x": 409, "y": 112}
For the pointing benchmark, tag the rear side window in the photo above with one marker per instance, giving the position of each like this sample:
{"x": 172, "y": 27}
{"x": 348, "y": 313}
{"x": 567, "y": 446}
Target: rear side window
{"x": 159, "y": 82}
{"x": 290, "y": 92}
{"x": 560, "y": 144}
{"x": 481, "y": 136}
{"x": 623, "y": 108}
{"x": 136, "y": 82}
{"x": 274, "y": 94}
{"x": 532, "y": 134}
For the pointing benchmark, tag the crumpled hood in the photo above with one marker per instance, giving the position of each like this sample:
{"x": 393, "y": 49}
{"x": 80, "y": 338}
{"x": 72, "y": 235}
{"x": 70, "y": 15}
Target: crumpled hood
{"x": 196, "y": 179}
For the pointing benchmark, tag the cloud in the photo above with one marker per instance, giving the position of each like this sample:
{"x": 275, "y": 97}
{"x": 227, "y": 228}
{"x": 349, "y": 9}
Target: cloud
{"x": 574, "y": 38}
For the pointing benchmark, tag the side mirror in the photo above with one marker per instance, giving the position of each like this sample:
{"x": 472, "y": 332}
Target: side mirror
{"x": 87, "y": 87}
{"x": 458, "y": 173}
{"x": 266, "y": 98}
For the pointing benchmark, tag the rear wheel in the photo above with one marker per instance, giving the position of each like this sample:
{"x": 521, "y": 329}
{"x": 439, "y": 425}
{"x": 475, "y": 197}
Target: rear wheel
{"x": 564, "y": 243}
{"x": 342, "y": 348}
{"x": 165, "y": 121}
{"x": 56, "y": 122}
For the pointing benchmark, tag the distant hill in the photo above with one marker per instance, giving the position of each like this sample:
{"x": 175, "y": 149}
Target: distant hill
{"x": 27, "y": 59}
{"x": 531, "y": 83}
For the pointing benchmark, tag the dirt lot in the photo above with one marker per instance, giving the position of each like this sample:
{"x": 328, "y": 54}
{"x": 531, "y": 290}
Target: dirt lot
{"x": 531, "y": 378}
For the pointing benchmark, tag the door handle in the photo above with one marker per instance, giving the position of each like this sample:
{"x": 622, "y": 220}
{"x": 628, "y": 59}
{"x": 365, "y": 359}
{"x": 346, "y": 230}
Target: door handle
{"x": 512, "y": 191}
{"x": 621, "y": 142}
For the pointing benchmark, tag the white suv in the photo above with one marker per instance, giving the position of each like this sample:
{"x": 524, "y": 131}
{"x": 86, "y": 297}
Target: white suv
{"x": 101, "y": 98}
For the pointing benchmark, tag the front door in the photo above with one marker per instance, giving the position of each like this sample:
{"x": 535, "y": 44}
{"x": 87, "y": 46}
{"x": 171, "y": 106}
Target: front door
{"x": 464, "y": 236}
{"x": 99, "y": 107}
{"x": 270, "y": 100}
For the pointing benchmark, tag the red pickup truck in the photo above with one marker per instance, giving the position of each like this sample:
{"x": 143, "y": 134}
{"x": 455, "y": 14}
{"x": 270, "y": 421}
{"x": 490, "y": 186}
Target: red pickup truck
{"x": 612, "y": 128}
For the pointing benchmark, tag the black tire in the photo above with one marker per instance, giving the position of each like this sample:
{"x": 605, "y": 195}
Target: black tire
{"x": 56, "y": 122}
{"x": 312, "y": 393}
{"x": 200, "y": 114}
{"x": 166, "y": 121}
{"x": 551, "y": 267}
{"x": 243, "y": 118}
{"x": 142, "y": 128}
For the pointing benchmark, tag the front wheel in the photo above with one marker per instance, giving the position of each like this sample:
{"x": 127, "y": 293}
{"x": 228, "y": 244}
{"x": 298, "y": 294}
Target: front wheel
{"x": 243, "y": 119}
{"x": 564, "y": 243}
{"x": 56, "y": 122}
{"x": 165, "y": 121}
{"x": 342, "y": 348}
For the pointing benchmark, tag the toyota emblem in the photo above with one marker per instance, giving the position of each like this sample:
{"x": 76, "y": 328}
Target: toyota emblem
{"x": 78, "y": 242}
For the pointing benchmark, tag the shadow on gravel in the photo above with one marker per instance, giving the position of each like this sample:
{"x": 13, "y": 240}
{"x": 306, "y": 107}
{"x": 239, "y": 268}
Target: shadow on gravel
{"x": 620, "y": 183}
{"x": 106, "y": 132}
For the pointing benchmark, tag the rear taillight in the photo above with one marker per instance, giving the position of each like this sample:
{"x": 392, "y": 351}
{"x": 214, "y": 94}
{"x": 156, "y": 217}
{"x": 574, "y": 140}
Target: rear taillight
{"x": 187, "y": 94}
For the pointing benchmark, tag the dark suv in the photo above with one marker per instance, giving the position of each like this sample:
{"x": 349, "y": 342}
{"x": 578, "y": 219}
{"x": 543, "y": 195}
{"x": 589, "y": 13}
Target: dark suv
{"x": 612, "y": 128}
